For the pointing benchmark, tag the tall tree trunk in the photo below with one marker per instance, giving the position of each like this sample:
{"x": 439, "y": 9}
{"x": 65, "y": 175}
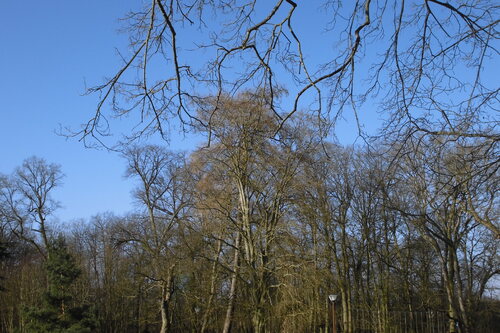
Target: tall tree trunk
{"x": 212, "y": 288}
{"x": 165, "y": 302}
{"x": 164, "y": 317}
{"x": 232, "y": 292}
{"x": 464, "y": 318}
{"x": 448, "y": 275}
{"x": 258, "y": 320}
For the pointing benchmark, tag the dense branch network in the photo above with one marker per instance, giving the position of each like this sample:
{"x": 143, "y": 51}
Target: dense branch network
{"x": 424, "y": 63}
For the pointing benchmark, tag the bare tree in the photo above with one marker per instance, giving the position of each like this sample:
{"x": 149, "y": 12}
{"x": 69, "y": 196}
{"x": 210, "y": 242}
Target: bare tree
{"x": 436, "y": 202}
{"x": 26, "y": 200}
{"x": 258, "y": 174}
{"x": 162, "y": 193}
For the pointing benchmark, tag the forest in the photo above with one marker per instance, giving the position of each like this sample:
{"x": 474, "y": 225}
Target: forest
{"x": 252, "y": 233}
{"x": 259, "y": 226}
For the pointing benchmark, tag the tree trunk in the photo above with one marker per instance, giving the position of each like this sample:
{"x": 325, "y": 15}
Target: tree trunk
{"x": 258, "y": 320}
{"x": 164, "y": 317}
{"x": 232, "y": 292}
{"x": 166, "y": 295}
{"x": 212, "y": 288}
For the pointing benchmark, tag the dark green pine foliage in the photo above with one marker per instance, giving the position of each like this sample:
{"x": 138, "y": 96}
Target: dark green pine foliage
{"x": 57, "y": 312}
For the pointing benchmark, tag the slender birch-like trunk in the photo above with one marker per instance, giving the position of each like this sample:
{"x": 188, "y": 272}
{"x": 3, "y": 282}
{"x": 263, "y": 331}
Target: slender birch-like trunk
{"x": 165, "y": 302}
{"x": 212, "y": 288}
{"x": 232, "y": 292}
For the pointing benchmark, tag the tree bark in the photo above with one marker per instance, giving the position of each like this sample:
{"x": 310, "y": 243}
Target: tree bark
{"x": 212, "y": 288}
{"x": 166, "y": 295}
{"x": 232, "y": 292}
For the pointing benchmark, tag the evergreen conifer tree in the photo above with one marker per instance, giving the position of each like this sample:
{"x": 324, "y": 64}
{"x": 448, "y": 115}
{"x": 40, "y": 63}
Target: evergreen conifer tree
{"x": 57, "y": 312}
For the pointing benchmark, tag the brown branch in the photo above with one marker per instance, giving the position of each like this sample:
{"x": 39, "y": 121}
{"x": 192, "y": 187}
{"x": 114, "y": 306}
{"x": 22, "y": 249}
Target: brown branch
{"x": 340, "y": 69}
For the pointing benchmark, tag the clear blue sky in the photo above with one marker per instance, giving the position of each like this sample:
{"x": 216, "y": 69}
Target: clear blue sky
{"x": 49, "y": 49}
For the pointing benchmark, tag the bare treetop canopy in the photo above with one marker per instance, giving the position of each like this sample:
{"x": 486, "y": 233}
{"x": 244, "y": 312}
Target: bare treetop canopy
{"x": 426, "y": 65}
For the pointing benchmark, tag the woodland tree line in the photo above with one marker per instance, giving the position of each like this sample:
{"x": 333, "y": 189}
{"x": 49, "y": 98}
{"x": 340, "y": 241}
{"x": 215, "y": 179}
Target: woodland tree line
{"x": 252, "y": 232}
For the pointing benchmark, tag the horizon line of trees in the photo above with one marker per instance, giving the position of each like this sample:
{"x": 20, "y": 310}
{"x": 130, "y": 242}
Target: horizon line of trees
{"x": 252, "y": 232}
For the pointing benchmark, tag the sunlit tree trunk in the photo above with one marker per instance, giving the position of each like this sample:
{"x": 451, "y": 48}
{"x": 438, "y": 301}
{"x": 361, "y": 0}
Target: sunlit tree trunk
{"x": 213, "y": 279}
{"x": 167, "y": 290}
{"x": 228, "y": 321}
